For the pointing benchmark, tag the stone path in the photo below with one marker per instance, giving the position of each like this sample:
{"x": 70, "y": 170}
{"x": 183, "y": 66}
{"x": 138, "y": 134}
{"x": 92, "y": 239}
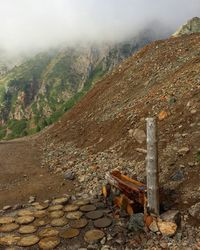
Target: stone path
{"x": 62, "y": 222}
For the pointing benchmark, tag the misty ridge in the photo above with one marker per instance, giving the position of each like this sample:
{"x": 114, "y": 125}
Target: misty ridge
{"x": 28, "y": 27}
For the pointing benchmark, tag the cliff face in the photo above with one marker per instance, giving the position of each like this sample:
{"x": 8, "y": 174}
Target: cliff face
{"x": 37, "y": 92}
{"x": 192, "y": 26}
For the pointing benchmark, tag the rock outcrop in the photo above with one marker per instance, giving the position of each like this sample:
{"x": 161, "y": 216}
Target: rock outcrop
{"x": 192, "y": 26}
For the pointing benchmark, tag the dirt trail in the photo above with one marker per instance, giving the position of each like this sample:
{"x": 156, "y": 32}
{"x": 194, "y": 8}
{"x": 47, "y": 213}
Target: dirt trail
{"x": 21, "y": 175}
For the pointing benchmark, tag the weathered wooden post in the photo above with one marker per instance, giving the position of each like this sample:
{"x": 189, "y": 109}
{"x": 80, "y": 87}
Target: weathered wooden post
{"x": 152, "y": 167}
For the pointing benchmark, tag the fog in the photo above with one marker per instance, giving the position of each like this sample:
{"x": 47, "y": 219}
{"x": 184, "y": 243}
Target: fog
{"x": 38, "y": 24}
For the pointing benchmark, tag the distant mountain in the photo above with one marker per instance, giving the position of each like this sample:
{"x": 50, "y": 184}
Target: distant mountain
{"x": 37, "y": 92}
{"x": 192, "y": 26}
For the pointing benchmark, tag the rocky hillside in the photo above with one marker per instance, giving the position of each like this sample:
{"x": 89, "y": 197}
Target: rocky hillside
{"x": 192, "y": 26}
{"x": 106, "y": 129}
{"x": 37, "y": 92}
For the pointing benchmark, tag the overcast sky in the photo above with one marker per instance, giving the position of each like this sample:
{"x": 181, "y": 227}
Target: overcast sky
{"x": 29, "y": 24}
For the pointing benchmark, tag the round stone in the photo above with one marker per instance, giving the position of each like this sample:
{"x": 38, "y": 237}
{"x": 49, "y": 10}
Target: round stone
{"x": 40, "y": 213}
{"x": 25, "y": 220}
{"x": 56, "y": 214}
{"x": 6, "y": 220}
{"x": 60, "y": 222}
{"x": 87, "y": 208}
{"x": 41, "y": 222}
{"x": 60, "y": 201}
{"x": 7, "y": 228}
{"x": 93, "y": 236}
{"x": 74, "y": 215}
{"x": 69, "y": 233}
{"x": 71, "y": 208}
{"x": 78, "y": 223}
{"x": 25, "y": 212}
{"x": 94, "y": 214}
{"x": 81, "y": 202}
{"x": 49, "y": 243}
{"x": 41, "y": 206}
{"x": 29, "y": 229}
{"x": 48, "y": 232}
{"x": 103, "y": 222}
{"x": 55, "y": 208}
{"x": 9, "y": 240}
{"x": 28, "y": 241}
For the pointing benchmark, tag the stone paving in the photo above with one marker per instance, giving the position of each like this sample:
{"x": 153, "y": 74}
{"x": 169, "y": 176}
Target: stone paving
{"x": 55, "y": 224}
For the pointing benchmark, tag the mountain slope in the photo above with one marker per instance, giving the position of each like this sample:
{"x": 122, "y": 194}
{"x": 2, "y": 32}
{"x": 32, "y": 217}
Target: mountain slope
{"x": 37, "y": 92}
{"x": 99, "y": 132}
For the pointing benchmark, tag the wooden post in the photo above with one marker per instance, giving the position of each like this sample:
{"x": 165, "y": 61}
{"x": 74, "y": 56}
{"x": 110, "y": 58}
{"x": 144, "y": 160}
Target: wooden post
{"x": 152, "y": 167}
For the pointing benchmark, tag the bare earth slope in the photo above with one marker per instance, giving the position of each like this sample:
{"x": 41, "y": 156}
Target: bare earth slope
{"x": 22, "y": 176}
{"x": 98, "y": 133}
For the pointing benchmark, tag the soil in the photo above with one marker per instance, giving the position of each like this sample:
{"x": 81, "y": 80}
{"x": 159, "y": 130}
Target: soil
{"x": 22, "y": 176}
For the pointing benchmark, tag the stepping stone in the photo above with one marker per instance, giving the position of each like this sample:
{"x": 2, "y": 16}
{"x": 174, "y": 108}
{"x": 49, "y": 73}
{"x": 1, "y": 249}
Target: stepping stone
{"x": 25, "y": 212}
{"x": 81, "y": 202}
{"x": 61, "y": 201}
{"x": 103, "y": 222}
{"x": 41, "y": 206}
{"x": 6, "y": 220}
{"x": 7, "y": 228}
{"x": 100, "y": 205}
{"x": 94, "y": 214}
{"x": 70, "y": 233}
{"x": 78, "y": 223}
{"x": 49, "y": 243}
{"x": 41, "y": 222}
{"x": 60, "y": 222}
{"x": 9, "y": 240}
{"x": 74, "y": 215}
{"x": 28, "y": 241}
{"x": 25, "y": 220}
{"x": 27, "y": 229}
{"x": 55, "y": 208}
{"x": 48, "y": 232}
{"x": 40, "y": 213}
{"x": 87, "y": 208}
{"x": 56, "y": 214}
{"x": 93, "y": 236}
{"x": 71, "y": 208}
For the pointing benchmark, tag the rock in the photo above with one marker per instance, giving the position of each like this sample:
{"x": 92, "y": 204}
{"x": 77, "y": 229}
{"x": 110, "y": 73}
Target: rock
{"x": 79, "y": 223}
{"x": 74, "y": 215}
{"x": 70, "y": 233}
{"x": 81, "y": 202}
{"x": 171, "y": 215}
{"x": 103, "y": 222}
{"x": 167, "y": 228}
{"x": 61, "y": 201}
{"x": 56, "y": 214}
{"x": 55, "y": 208}
{"x": 94, "y": 214}
{"x": 48, "y": 232}
{"x": 71, "y": 208}
{"x": 139, "y": 135}
{"x": 25, "y": 220}
{"x": 153, "y": 226}
{"x": 93, "y": 236}
{"x": 178, "y": 176}
{"x": 7, "y": 228}
{"x": 162, "y": 115}
{"x": 194, "y": 211}
{"x": 27, "y": 229}
{"x": 183, "y": 151}
{"x": 60, "y": 222}
{"x": 41, "y": 222}
{"x": 136, "y": 222}
{"x": 41, "y": 206}
{"x": 6, "y": 220}
{"x": 87, "y": 208}
{"x": 5, "y": 208}
{"x": 131, "y": 132}
{"x": 31, "y": 199}
{"x": 69, "y": 175}
{"x": 28, "y": 241}
{"x": 9, "y": 240}
{"x": 25, "y": 212}
{"x": 49, "y": 243}
{"x": 40, "y": 213}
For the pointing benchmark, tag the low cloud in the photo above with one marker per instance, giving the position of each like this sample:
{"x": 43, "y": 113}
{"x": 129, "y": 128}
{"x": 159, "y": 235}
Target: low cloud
{"x": 39, "y": 24}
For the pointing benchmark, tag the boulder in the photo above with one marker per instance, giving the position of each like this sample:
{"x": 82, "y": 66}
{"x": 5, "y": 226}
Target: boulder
{"x": 172, "y": 216}
{"x": 167, "y": 228}
{"x": 194, "y": 211}
{"x": 139, "y": 135}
